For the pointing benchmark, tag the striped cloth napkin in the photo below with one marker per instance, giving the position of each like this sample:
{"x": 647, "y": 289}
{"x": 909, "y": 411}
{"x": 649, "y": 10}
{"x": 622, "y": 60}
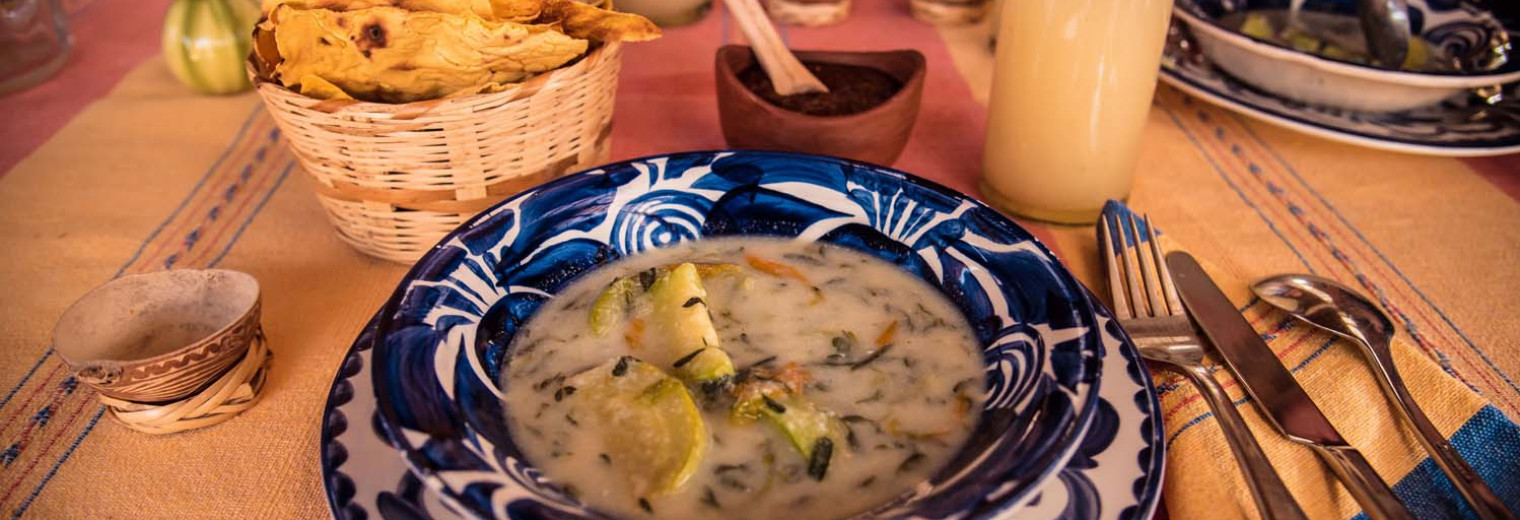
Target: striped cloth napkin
{"x": 1203, "y": 481}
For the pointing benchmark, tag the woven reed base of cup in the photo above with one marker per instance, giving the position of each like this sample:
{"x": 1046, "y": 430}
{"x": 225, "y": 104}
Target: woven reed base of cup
{"x": 809, "y": 14}
{"x": 237, "y": 390}
{"x": 950, "y": 12}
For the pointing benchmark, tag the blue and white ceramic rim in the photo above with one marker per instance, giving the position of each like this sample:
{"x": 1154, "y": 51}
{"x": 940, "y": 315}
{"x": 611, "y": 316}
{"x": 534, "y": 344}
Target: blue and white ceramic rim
{"x": 1453, "y": 25}
{"x": 1115, "y": 475}
{"x": 1448, "y": 129}
{"x": 435, "y": 377}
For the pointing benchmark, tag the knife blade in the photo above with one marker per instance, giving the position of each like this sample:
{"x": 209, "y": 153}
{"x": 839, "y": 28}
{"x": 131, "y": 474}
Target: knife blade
{"x": 1288, "y": 408}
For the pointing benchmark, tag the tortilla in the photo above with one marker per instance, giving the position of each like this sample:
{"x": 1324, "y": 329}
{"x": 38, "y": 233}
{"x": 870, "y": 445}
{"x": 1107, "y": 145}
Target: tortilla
{"x": 393, "y": 55}
{"x": 577, "y": 19}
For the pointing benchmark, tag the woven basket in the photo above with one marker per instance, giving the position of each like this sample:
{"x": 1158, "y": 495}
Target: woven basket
{"x": 395, "y": 179}
{"x": 950, "y": 12}
{"x": 809, "y": 14}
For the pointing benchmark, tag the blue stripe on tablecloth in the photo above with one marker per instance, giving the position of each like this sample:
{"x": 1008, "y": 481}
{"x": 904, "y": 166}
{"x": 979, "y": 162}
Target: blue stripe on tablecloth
{"x": 26, "y": 504}
{"x": 1491, "y": 444}
{"x": 28, "y": 377}
{"x": 239, "y": 234}
{"x": 1247, "y": 398}
{"x": 1386, "y": 261}
{"x": 1203, "y": 151}
{"x": 1489, "y": 440}
{"x": 237, "y": 138}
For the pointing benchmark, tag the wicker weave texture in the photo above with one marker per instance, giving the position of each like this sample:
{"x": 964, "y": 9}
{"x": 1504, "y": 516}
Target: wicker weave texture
{"x": 395, "y": 179}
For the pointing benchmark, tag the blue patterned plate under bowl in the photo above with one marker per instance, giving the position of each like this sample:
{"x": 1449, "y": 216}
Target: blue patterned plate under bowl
{"x": 443, "y": 337}
{"x": 1457, "y": 127}
{"x": 1459, "y": 45}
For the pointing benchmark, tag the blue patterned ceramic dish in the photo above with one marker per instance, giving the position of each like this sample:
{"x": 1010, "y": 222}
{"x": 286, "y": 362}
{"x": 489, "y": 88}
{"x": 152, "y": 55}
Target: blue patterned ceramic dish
{"x": 442, "y": 340}
{"x": 1464, "y": 30}
{"x": 1458, "y": 127}
{"x": 1115, "y": 475}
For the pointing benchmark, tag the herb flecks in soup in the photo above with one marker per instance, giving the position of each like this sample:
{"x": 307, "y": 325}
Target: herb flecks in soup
{"x": 744, "y": 379}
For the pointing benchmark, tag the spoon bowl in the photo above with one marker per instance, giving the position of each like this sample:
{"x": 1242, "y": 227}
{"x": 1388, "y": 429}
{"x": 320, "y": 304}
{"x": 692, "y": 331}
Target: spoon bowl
{"x": 1346, "y": 313}
{"x": 1328, "y": 305}
{"x": 1386, "y": 25}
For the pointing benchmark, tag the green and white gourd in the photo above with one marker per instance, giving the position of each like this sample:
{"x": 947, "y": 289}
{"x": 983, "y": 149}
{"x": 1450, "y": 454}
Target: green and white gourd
{"x": 206, "y": 43}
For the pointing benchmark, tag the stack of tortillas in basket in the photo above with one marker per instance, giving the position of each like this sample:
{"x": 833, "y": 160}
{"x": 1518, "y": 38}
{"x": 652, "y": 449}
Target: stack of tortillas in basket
{"x": 411, "y": 116}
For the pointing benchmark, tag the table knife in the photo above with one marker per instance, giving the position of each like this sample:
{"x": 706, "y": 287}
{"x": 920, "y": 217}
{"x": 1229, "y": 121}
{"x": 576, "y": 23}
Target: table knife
{"x": 1287, "y": 406}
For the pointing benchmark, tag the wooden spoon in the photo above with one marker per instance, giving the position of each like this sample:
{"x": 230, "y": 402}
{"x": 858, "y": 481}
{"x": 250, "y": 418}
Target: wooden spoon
{"x": 787, "y": 73}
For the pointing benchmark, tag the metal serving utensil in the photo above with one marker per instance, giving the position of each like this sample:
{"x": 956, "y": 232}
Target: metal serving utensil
{"x": 1147, "y": 305}
{"x": 1342, "y": 311}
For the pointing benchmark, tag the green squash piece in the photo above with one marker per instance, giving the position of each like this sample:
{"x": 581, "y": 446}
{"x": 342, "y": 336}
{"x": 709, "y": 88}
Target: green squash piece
{"x": 1258, "y": 26}
{"x": 654, "y": 436}
{"x": 612, "y": 305}
{"x": 683, "y": 328}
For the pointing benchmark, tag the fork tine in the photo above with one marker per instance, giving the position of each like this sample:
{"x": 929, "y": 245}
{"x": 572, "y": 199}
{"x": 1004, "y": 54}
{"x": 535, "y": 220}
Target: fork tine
{"x": 1148, "y": 283}
{"x": 1168, "y": 287}
{"x": 1132, "y": 267}
{"x": 1149, "y": 266}
{"x": 1111, "y": 260}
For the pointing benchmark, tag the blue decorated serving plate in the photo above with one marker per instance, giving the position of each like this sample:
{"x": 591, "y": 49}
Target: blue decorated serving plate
{"x": 1457, "y": 127}
{"x": 435, "y": 372}
{"x": 1474, "y": 33}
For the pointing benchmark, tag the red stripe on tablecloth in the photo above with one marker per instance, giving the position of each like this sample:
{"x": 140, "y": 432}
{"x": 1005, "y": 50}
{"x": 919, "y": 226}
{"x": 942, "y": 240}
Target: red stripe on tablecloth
{"x": 245, "y": 153}
{"x": 1502, "y": 171}
{"x": 10, "y": 420}
{"x": 86, "y": 403}
{"x": 111, "y": 37}
{"x": 667, "y": 101}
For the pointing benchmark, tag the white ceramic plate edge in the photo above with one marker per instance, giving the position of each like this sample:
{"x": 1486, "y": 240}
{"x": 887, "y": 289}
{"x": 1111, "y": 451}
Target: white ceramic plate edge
{"x": 1171, "y": 78}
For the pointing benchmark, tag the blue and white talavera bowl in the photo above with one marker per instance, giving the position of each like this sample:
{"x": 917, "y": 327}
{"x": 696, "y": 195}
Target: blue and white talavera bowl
{"x": 1476, "y": 30}
{"x": 444, "y": 335}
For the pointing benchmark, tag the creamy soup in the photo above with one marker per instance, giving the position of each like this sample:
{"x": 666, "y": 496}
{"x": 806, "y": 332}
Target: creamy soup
{"x": 744, "y": 379}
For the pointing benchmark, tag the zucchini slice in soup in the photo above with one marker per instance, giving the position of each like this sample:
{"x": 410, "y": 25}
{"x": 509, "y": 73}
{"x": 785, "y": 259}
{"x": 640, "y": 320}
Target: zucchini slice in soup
{"x": 614, "y": 303}
{"x": 652, "y": 428}
{"x": 683, "y": 328}
{"x": 776, "y": 398}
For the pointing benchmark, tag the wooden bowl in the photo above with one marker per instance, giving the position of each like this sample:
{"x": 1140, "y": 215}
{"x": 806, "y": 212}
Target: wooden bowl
{"x": 875, "y": 136}
{"x": 162, "y": 336}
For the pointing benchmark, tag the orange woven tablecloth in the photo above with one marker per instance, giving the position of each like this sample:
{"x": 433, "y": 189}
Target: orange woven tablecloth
{"x": 113, "y": 167}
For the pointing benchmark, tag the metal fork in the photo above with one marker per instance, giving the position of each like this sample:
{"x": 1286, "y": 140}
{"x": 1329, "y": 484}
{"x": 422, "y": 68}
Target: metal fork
{"x": 1147, "y": 305}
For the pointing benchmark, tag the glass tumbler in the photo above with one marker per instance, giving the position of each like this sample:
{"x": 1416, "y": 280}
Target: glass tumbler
{"x": 1071, "y": 93}
{"x": 34, "y": 42}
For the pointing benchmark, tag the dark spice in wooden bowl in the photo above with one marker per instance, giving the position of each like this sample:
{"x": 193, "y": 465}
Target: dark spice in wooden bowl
{"x": 852, "y": 89}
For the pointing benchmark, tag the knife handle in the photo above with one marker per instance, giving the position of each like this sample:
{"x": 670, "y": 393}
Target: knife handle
{"x": 1273, "y": 500}
{"x": 1363, "y": 482}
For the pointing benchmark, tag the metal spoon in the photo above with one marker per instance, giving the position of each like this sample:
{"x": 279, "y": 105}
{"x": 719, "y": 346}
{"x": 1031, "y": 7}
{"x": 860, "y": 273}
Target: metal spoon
{"x": 1385, "y": 23}
{"x": 1385, "y": 31}
{"x": 1342, "y": 311}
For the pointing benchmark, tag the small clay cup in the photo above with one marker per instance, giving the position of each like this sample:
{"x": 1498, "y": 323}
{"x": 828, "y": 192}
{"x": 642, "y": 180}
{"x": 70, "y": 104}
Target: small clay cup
{"x": 875, "y": 136}
{"x": 159, "y": 337}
